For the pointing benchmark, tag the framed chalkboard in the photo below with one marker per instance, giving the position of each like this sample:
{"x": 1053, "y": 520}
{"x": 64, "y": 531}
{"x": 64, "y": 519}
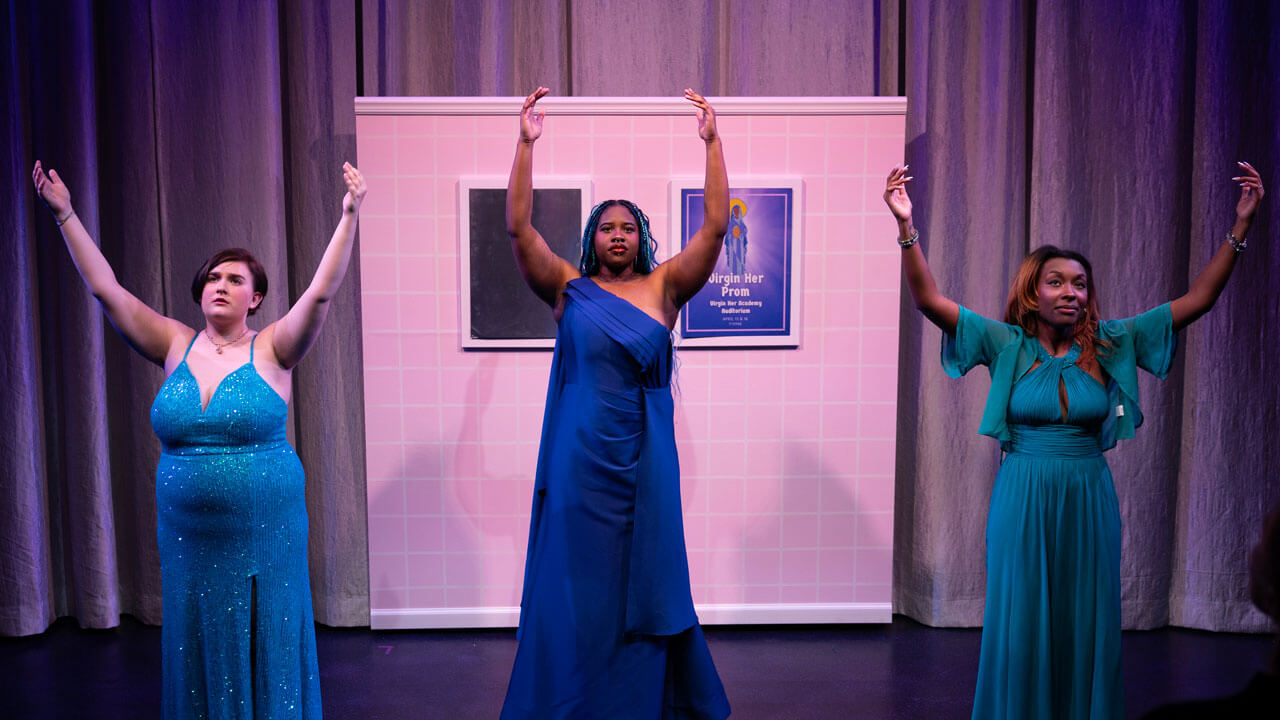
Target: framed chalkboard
{"x": 498, "y": 308}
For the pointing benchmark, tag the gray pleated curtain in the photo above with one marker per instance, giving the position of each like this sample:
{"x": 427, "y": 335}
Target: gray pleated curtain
{"x": 182, "y": 128}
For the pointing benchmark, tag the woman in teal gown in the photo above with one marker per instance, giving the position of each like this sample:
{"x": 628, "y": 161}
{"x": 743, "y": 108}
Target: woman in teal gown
{"x": 607, "y": 626}
{"x": 238, "y": 638}
{"x": 1064, "y": 388}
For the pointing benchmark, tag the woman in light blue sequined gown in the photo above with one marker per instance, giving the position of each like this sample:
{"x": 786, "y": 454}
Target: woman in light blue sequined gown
{"x": 1064, "y": 388}
{"x": 238, "y": 639}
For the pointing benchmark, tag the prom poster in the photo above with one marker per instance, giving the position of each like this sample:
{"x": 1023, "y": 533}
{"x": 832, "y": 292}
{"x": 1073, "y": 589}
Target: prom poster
{"x": 750, "y": 299}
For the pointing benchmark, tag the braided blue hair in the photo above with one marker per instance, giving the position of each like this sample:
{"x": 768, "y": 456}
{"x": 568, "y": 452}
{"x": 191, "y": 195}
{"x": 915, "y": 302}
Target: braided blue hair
{"x": 646, "y": 259}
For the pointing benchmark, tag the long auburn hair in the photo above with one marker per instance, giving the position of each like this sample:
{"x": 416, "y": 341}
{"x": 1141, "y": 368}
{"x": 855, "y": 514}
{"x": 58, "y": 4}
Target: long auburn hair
{"x": 1023, "y": 309}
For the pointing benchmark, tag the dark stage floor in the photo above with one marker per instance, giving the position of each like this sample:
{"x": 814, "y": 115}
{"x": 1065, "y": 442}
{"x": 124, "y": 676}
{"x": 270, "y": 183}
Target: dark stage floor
{"x": 902, "y": 670}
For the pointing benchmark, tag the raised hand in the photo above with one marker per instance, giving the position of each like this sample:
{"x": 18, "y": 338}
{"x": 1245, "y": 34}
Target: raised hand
{"x": 1208, "y": 285}
{"x": 706, "y": 115}
{"x": 1251, "y": 191}
{"x": 531, "y": 117}
{"x": 895, "y": 193}
{"x": 53, "y": 191}
{"x": 356, "y": 188}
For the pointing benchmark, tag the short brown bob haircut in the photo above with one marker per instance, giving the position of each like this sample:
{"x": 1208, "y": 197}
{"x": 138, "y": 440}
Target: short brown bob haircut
{"x": 230, "y": 255}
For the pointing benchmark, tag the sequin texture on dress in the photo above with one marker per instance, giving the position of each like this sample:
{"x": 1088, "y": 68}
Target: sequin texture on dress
{"x": 238, "y": 637}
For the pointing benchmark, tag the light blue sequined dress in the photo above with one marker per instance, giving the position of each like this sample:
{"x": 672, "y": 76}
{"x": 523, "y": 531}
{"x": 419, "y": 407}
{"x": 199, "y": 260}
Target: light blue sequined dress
{"x": 238, "y": 639}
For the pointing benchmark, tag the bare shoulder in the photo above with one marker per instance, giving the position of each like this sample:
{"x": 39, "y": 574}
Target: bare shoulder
{"x": 649, "y": 294}
{"x": 180, "y": 339}
{"x": 665, "y": 283}
{"x": 268, "y": 365}
{"x": 662, "y": 275}
{"x": 639, "y": 289}
{"x": 264, "y": 349}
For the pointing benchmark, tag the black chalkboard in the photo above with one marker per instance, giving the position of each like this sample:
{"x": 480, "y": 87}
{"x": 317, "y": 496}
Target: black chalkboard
{"x": 502, "y": 305}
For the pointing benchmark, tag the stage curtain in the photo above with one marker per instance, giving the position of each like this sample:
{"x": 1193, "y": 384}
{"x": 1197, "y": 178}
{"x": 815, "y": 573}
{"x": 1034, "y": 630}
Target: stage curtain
{"x": 1113, "y": 131}
{"x": 182, "y": 128}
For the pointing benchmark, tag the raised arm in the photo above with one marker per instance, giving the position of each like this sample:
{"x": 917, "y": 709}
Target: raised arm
{"x": 1208, "y": 284}
{"x": 938, "y": 308}
{"x": 686, "y": 272}
{"x": 149, "y": 332}
{"x": 293, "y": 334}
{"x": 545, "y": 272}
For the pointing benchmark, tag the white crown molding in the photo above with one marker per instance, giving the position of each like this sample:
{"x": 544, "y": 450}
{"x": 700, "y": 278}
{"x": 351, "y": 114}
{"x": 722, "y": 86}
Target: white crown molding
{"x": 631, "y": 105}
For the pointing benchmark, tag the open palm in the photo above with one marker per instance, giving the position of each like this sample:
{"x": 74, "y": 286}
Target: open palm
{"x": 895, "y": 193}
{"x": 1251, "y": 191}
{"x": 531, "y": 117}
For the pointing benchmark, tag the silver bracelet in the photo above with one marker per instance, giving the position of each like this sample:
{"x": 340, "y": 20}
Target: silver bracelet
{"x": 1237, "y": 245}
{"x": 915, "y": 238}
{"x": 64, "y": 220}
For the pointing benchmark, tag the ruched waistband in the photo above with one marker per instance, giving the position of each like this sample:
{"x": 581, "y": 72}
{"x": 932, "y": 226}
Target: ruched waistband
{"x": 1053, "y": 441}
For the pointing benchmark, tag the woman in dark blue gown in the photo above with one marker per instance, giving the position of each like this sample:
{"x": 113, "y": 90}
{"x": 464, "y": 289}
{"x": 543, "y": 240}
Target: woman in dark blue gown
{"x": 1064, "y": 388}
{"x": 607, "y": 627}
{"x": 238, "y": 639}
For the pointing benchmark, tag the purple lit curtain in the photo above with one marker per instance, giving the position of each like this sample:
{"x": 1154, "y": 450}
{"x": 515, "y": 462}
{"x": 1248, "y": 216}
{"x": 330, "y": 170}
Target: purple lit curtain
{"x": 186, "y": 127}
{"x": 1112, "y": 129}
{"x": 180, "y": 128}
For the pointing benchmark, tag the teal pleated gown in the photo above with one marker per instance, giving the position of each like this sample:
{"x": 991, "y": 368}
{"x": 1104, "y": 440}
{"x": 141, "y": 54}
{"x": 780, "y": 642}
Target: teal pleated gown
{"x": 238, "y": 637}
{"x": 1051, "y": 626}
{"x": 607, "y": 626}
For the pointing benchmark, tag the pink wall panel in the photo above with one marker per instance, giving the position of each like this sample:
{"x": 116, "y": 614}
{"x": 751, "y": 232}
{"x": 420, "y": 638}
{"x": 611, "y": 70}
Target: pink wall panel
{"x": 787, "y": 454}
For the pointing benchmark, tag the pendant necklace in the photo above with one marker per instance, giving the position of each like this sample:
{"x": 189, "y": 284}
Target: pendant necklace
{"x": 218, "y": 347}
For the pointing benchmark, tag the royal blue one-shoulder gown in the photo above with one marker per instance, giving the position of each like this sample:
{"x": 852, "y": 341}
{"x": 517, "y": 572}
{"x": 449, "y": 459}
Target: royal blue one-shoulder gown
{"x": 238, "y": 638}
{"x": 607, "y": 627}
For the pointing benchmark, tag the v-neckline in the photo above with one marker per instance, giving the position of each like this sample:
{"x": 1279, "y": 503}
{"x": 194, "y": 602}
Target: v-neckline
{"x": 204, "y": 407}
